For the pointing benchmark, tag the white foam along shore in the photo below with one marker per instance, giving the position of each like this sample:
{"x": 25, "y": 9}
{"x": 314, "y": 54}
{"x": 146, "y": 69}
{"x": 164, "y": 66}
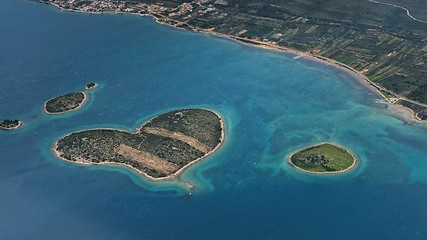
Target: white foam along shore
{"x": 341, "y": 171}
{"x": 173, "y": 176}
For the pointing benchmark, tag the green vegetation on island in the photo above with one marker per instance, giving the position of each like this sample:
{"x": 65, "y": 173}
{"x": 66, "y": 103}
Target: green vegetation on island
{"x": 323, "y": 158}
{"x": 8, "y": 124}
{"x": 200, "y": 124}
{"x": 64, "y": 103}
{"x": 160, "y": 149}
{"x": 91, "y": 85}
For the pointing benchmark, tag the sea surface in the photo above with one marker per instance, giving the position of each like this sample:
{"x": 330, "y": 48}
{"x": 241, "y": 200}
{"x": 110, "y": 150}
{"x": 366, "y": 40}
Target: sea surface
{"x": 273, "y": 104}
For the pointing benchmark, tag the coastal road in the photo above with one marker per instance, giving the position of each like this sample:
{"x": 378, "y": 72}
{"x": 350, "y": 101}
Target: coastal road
{"x": 397, "y": 6}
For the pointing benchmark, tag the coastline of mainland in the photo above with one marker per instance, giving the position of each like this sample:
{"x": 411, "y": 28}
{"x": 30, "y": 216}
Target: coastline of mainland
{"x": 256, "y": 43}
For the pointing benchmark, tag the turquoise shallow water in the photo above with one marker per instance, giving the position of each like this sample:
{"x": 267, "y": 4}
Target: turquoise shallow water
{"x": 272, "y": 104}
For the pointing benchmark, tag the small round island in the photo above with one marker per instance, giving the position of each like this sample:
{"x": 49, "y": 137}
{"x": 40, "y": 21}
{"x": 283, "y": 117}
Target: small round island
{"x": 91, "y": 85}
{"x": 325, "y": 158}
{"x": 8, "y": 124}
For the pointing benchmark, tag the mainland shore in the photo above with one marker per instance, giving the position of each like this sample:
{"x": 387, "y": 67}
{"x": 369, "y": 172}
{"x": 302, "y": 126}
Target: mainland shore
{"x": 174, "y": 176}
{"x": 269, "y": 46}
{"x": 322, "y": 173}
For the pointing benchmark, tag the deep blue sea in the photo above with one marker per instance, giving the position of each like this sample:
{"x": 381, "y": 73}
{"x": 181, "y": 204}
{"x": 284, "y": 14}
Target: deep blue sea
{"x": 273, "y": 104}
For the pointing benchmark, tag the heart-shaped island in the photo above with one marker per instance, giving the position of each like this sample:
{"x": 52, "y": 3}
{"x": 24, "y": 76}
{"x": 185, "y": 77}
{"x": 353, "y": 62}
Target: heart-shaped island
{"x": 161, "y": 149}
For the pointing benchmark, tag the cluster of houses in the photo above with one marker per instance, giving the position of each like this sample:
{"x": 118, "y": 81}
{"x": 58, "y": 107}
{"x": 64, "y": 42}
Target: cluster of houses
{"x": 182, "y": 9}
{"x": 93, "y": 6}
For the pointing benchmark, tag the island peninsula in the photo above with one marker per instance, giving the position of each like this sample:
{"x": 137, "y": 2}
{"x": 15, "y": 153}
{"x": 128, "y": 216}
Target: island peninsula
{"x": 324, "y": 158}
{"x": 160, "y": 149}
{"x": 8, "y": 124}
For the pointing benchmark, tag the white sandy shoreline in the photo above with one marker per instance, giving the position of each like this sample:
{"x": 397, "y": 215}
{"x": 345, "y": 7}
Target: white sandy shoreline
{"x": 173, "y": 176}
{"x": 322, "y": 173}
